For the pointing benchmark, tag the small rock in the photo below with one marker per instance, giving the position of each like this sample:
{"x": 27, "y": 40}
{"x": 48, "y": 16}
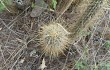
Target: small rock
{"x": 40, "y": 7}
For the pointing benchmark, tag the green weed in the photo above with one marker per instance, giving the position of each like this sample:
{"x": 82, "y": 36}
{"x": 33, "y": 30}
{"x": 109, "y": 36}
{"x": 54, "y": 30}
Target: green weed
{"x": 54, "y": 4}
{"x": 79, "y": 66}
{"x": 107, "y": 44}
{"x": 105, "y": 66}
{"x": 1, "y": 7}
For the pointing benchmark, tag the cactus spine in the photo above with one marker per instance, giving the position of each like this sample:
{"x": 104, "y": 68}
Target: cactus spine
{"x": 54, "y": 38}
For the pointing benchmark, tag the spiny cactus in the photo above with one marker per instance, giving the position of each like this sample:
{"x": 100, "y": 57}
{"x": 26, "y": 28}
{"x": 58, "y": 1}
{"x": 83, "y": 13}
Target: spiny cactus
{"x": 54, "y": 39}
{"x": 85, "y": 20}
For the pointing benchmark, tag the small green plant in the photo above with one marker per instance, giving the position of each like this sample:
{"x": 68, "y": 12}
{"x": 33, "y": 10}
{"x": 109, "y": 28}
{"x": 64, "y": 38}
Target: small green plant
{"x": 54, "y": 4}
{"x": 96, "y": 67}
{"x": 33, "y": 5}
{"x": 1, "y": 7}
{"x": 107, "y": 44}
{"x": 105, "y": 66}
{"x": 82, "y": 64}
{"x": 79, "y": 66}
{"x": 4, "y": 4}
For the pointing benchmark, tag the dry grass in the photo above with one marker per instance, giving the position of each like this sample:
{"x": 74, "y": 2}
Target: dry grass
{"x": 19, "y": 45}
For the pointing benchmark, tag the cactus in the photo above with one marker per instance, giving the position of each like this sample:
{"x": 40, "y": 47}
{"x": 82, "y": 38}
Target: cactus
{"x": 54, "y": 39}
{"x": 87, "y": 15}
